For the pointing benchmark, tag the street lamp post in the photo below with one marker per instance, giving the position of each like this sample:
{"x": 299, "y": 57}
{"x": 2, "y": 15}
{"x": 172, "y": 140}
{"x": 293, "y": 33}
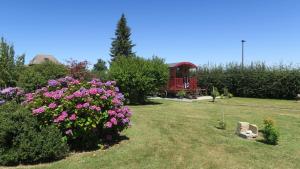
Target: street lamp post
{"x": 243, "y": 41}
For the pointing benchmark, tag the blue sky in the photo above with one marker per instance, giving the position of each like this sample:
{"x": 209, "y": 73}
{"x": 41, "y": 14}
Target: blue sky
{"x": 186, "y": 30}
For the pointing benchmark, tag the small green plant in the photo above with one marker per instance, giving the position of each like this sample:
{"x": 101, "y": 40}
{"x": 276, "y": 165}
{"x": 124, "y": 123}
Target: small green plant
{"x": 270, "y": 133}
{"x": 214, "y": 93}
{"x": 181, "y": 94}
{"x": 222, "y": 123}
{"x": 222, "y": 96}
{"x": 225, "y": 91}
{"x": 230, "y": 95}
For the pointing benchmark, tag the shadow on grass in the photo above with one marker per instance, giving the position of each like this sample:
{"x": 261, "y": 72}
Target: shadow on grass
{"x": 148, "y": 102}
{"x": 220, "y": 128}
{"x": 117, "y": 140}
{"x": 103, "y": 144}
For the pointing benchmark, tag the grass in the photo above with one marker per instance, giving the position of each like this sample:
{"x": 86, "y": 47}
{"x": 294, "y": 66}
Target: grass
{"x": 184, "y": 135}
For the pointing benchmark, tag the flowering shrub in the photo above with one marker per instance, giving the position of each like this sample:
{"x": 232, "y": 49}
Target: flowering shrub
{"x": 80, "y": 109}
{"x": 11, "y": 93}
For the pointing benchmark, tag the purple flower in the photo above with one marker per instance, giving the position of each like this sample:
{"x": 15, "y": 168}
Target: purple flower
{"x": 86, "y": 105}
{"x": 69, "y": 97}
{"x": 77, "y": 94}
{"x": 52, "y": 105}
{"x": 7, "y": 90}
{"x": 103, "y": 97}
{"x": 99, "y": 90}
{"x": 53, "y": 83}
{"x": 126, "y": 120}
{"x": 64, "y": 114}
{"x": 74, "y": 82}
{"x": 69, "y": 132}
{"x": 114, "y": 121}
{"x": 120, "y": 115}
{"x": 120, "y": 96}
{"x": 93, "y": 107}
{"x": 45, "y": 89}
{"x": 93, "y": 91}
{"x": 116, "y": 102}
{"x": 78, "y": 106}
{"x": 108, "y": 124}
{"x": 61, "y": 117}
{"x": 68, "y": 78}
{"x": 73, "y": 117}
{"x": 108, "y": 83}
{"x": 128, "y": 114}
{"x": 111, "y": 112}
{"x": 2, "y": 102}
{"x": 38, "y": 111}
{"x": 29, "y": 97}
{"x": 98, "y": 108}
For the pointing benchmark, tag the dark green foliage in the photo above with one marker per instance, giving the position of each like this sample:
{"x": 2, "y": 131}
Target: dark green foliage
{"x": 22, "y": 140}
{"x": 10, "y": 65}
{"x": 137, "y": 77}
{"x": 255, "y": 80}
{"x": 121, "y": 44}
{"x": 36, "y": 76}
{"x": 270, "y": 133}
{"x": 100, "y": 70}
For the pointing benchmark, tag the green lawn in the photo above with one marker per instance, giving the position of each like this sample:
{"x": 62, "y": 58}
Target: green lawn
{"x": 183, "y": 135}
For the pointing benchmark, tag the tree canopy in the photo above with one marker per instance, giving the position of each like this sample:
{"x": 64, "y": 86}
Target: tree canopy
{"x": 10, "y": 65}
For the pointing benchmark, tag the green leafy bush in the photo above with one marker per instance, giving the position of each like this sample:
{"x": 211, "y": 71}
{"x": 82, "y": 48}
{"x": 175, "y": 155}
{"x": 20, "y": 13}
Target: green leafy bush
{"x": 36, "y": 76}
{"x": 138, "y": 77}
{"x": 255, "y": 80}
{"x": 270, "y": 133}
{"x": 214, "y": 93}
{"x": 23, "y": 141}
{"x": 222, "y": 125}
{"x": 181, "y": 94}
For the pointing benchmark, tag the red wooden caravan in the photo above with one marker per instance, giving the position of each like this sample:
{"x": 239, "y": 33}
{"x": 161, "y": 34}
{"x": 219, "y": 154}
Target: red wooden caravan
{"x": 182, "y": 76}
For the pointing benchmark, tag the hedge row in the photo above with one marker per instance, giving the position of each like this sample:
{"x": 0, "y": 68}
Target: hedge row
{"x": 255, "y": 80}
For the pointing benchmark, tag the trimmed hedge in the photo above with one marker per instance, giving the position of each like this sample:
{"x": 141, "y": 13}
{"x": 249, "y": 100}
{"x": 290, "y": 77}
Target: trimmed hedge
{"x": 23, "y": 141}
{"x": 256, "y": 80}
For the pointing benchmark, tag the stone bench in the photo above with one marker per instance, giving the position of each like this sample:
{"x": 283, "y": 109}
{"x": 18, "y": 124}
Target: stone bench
{"x": 246, "y": 130}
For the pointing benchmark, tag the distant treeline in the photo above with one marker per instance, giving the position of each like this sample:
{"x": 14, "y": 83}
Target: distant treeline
{"x": 255, "y": 80}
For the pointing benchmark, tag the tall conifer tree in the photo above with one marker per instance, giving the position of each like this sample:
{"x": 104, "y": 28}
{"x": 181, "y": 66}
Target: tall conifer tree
{"x": 121, "y": 45}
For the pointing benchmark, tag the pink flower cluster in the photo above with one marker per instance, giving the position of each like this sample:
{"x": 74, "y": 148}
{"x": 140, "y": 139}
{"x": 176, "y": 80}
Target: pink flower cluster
{"x": 38, "y": 111}
{"x": 57, "y": 94}
{"x": 61, "y": 117}
{"x": 75, "y": 106}
{"x": 118, "y": 116}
